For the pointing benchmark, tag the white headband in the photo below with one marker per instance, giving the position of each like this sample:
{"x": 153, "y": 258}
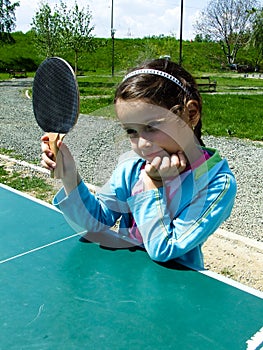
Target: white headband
{"x": 157, "y": 72}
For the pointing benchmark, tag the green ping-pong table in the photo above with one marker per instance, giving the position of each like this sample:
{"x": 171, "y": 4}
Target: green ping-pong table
{"x": 61, "y": 292}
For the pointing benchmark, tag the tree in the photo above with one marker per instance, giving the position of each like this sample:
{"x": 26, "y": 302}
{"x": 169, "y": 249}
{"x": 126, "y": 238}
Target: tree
{"x": 47, "y": 29}
{"x": 256, "y": 38}
{"x": 63, "y": 29}
{"x": 7, "y": 20}
{"x": 76, "y": 30}
{"x": 200, "y": 39}
{"x": 227, "y": 22}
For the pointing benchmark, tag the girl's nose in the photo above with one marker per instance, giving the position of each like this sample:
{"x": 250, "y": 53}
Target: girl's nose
{"x": 143, "y": 142}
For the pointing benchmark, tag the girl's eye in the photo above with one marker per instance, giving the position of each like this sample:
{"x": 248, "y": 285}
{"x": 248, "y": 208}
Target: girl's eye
{"x": 131, "y": 133}
{"x": 150, "y": 128}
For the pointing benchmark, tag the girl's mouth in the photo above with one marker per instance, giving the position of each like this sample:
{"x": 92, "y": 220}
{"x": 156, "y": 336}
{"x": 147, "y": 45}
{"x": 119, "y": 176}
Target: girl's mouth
{"x": 151, "y": 156}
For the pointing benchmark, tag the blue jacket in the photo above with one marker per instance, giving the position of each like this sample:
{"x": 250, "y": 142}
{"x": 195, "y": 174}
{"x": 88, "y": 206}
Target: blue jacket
{"x": 171, "y": 228}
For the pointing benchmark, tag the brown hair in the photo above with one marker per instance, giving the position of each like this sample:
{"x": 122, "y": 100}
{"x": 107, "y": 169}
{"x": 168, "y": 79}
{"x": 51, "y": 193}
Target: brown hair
{"x": 161, "y": 91}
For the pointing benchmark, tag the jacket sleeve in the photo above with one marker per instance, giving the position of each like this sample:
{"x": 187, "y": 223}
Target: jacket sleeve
{"x": 85, "y": 211}
{"x": 169, "y": 235}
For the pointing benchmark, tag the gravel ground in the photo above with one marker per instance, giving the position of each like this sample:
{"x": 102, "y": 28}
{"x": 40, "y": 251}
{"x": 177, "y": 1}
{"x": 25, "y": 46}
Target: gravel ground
{"x": 97, "y": 142}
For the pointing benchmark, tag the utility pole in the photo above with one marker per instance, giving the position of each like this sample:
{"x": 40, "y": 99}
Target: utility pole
{"x": 112, "y": 37}
{"x": 181, "y": 33}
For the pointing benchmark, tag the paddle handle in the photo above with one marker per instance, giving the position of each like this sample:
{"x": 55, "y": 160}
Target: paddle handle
{"x": 53, "y": 139}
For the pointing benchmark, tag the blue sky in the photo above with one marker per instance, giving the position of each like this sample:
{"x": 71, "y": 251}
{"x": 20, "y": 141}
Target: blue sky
{"x": 132, "y": 18}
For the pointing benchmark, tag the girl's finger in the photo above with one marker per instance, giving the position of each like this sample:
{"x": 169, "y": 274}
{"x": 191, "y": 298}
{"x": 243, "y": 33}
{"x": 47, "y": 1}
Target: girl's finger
{"x": 45, "y": 138}
{"x": 47, "y": 166}
{"x": 151, "y": 171}
{"x": 45, "y": 143}
{"x": 165, "y": 164}
{"x": 156, "y": 162}
{"x": 182, "y": 160}
{"x": 175, "y": 161}
{"x": 47, "y": 162}
{"x": 59, "y": 143}
{"x": 46, "y": 150}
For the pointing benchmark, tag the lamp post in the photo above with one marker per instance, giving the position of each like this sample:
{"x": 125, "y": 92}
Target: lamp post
{"x": 181, "y": 33}
{"x": 112, "y": 37}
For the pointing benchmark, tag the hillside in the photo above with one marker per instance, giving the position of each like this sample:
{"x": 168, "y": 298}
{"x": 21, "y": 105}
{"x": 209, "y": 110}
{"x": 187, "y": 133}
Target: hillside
{"x": 197, "y": 56}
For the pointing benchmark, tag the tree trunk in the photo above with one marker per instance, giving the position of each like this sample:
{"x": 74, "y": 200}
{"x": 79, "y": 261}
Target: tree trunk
{"x": 76, "y": 62}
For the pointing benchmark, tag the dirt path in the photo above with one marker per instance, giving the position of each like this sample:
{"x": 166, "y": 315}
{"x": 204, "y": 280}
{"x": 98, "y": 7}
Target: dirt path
{"x": 233, "y": 256}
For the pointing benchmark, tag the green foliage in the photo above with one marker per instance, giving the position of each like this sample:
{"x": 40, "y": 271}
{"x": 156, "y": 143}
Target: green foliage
{"x": 77, "y": 30}
{"x": 46, "y": 29}
{"x": 203, "y": 38}
{"x": 227, "y": 22}
{"x": 7, "y": 20}
{"x": 256, "y": 39}
{"x": 21, "y": 54}
{"x": 197, "y": 56}
{"x": 63, "y": 30}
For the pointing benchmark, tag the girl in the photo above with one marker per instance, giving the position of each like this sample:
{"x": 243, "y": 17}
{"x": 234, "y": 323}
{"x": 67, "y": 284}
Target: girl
{"x": 170, "y": 192}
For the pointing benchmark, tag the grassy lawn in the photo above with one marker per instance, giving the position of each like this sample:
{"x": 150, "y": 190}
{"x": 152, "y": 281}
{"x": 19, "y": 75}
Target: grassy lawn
{"x": 224, "y": 114}
{"x": 233, "y": 115}
{"x": 238, "y": 115}
{"x": 30, "y": 184}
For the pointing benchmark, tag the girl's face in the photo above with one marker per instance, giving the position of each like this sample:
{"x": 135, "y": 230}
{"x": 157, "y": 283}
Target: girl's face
{"x": 153, "y": 130}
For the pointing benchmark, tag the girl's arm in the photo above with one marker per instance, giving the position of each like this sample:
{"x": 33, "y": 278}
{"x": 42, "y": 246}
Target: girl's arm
{"x": 171, "y": 231}
{"x": 86, "y": 211}
{"x": 82, "y": 209}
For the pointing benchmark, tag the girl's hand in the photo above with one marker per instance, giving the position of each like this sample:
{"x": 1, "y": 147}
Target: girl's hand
{"x": 162, "y": 168}
{"x": 64, "y": 159}
{"x": 47, "y": 155}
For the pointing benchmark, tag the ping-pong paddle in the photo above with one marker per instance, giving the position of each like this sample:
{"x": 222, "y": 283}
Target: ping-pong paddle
{"x": 55, "y": 101}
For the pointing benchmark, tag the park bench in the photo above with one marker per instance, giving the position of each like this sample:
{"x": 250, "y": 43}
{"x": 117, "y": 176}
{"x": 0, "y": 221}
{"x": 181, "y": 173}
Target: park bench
{"x": 205, "y": 84}
{"x": 17, "y": 73}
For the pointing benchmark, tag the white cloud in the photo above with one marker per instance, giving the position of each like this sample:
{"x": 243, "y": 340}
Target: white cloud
{"x": 24, "y": 14}
{"x": 134, "y": 18}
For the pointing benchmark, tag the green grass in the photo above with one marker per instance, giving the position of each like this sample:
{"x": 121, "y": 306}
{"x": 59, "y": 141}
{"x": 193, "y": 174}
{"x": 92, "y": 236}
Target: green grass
{"x": 15, "y": 155}
{"x": 96, "y": 91}
{"x": 238, "y": 115}
{"x": 233, "y": 115}
{"x": 197, "y": 56}
{"x": 89, "y": 105}
{"x": 228, "y": 272}
{"x": 7, "y": 152}
{"x": 25, "y": 183}
{"x": 236, "y": 83}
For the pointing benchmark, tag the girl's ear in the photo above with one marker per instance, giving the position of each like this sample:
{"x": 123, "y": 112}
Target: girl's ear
{"x": 194, "y": 112}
